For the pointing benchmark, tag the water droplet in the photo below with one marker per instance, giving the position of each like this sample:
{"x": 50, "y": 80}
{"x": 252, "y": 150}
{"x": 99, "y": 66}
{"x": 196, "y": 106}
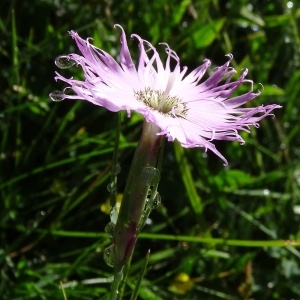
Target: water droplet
{"x": 150, "y": 175}
{"x": 43, "y": 258}
{"x": 156, "y": 201}
{"x": 110, "y": 229}
{"x": 296, "y": 209}
{"x": 153, "y": 203}
{"x": 73, "y": 284}
{"x": 149, "y": 222}
{"x": 116, "y": 169}
{"x": 57, "y": 96}
{"x": 118, "y": 296}
{"x": 32, "y": 224}
{"x": 266, "y": 192}
{"x": 250, "y": 6}
{"x": 64, "y": 62}
{"x": 184, "y": 24}
{"x": 107, "y": 256}
{"x": 114, "y": 215}
{"x": 112, "y": 188}
{"x": 290, "y": 4}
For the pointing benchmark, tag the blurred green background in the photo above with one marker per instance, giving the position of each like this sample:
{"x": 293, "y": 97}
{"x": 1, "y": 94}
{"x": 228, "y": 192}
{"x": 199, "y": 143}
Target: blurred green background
{"x": 55, "y": 158}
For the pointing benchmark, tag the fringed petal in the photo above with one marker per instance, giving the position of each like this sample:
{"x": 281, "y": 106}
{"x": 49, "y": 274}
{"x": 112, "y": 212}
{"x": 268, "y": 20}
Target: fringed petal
{"x": 185, "y": 109}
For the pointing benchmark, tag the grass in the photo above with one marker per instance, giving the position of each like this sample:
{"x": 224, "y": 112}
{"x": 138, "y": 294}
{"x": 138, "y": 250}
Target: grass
{"x": 220, "y": 232}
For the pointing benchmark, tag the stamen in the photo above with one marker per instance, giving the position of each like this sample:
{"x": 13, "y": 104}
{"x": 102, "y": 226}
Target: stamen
{"x": 162, "y": 102}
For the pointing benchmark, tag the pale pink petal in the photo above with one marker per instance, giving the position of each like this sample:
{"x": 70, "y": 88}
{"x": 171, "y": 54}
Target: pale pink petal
{"x": 193, "y": 112}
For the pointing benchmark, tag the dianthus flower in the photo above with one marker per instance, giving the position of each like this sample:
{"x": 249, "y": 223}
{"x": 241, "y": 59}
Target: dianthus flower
{"x": 193, "y": 112}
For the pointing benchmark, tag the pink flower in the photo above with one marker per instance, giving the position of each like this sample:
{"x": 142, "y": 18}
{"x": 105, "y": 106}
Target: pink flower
{"x": 193, "y": 112}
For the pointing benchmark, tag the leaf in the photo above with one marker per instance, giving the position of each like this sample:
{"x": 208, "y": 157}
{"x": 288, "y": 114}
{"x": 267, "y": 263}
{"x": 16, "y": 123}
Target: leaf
{"x": 180, "y": 10}
{"x": 272, "y": 90}
{"x": 276, "y": 21}
{"x": 249, "y": 15}
{"x": 206, "y": 34}
{"x": 187, "y": 178}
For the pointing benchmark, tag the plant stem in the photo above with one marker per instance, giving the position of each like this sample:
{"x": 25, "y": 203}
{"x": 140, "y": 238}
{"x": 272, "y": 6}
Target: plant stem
{"x": 118, "y": 276}
{"x": 142, "y": 175}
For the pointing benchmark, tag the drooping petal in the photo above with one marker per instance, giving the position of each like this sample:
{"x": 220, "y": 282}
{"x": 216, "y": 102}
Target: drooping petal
{"x": 125, "y": 57}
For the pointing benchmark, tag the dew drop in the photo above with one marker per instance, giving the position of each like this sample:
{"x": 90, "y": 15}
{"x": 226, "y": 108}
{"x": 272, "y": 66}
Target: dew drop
{"x": 57, "y": 96}
{"x": 111, "y": 187}
{"x": 116, "y": 169}
{"x": 296, "y": 209}
{"x": 64, "y": 62}
{"x": 156, "y": 201}
{"x": 184, "y": 24}
{"x": 118, "y": 295}
{"x": 73, "y": 284}
{"x": 107, "y": 256}
{"x": 290, "y": 4}
{"x": 43, "y": 258}
{"x": 110, "y": 229}
{"x": 114, "y": 214}
{"x": 266, "y": 192}
{"x": 250, "y": 6}
{"x": 149, "y": 222}
{"x": 32, "y": 224}
{"x": 150, "y": 175}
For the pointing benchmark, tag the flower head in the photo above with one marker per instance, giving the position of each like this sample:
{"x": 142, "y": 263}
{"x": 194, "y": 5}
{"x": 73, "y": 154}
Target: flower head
{"x": 193, "y": 112}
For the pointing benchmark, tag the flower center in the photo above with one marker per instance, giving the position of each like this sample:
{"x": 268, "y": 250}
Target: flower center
{"x": 163, "y": 103}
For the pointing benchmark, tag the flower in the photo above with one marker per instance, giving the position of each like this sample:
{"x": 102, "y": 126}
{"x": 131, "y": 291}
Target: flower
{"x": 193, "y": 112}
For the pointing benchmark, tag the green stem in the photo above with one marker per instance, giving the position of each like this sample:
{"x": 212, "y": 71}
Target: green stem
{"x": 125, "y": 275}
{"x": 142, "y": 175}
{"x": 118, "y": 277}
